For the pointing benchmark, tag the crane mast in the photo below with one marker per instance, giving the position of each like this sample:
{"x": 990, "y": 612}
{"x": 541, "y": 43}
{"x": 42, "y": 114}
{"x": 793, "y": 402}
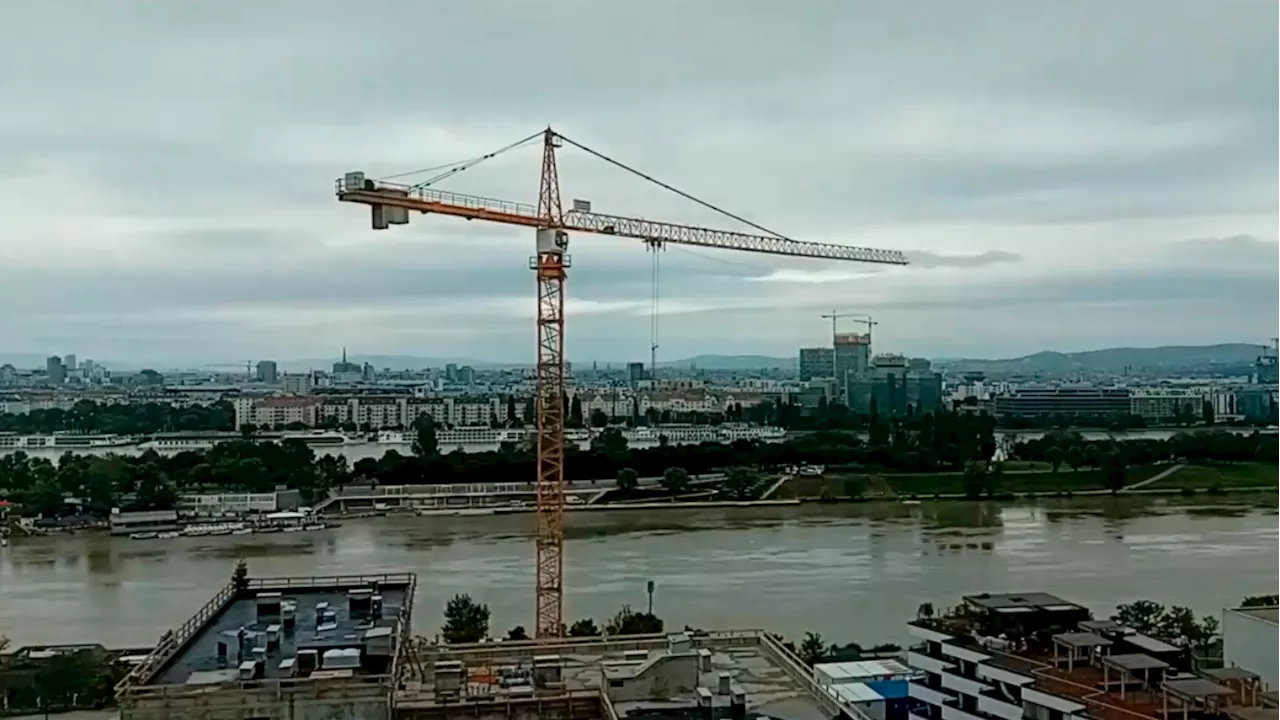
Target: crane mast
{"x": 390, "y": 204}
{"x": 550, "y": 266}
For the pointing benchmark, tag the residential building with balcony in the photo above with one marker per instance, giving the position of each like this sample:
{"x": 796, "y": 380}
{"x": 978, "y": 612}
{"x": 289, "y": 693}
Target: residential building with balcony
{"x": 1034, "y": 656}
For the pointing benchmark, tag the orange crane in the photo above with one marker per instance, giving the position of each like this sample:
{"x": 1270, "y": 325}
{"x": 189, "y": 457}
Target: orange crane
{"x": 390, "y": 204}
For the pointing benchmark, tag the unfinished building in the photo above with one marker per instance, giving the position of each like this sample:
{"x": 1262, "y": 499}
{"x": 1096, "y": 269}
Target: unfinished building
{"x": 280, "y": 648}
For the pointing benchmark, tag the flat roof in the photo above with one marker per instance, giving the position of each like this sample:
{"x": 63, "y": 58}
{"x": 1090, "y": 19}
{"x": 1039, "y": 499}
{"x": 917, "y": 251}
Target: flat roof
{"x": 1081, "y": 640}
{"x": 1231, "y": 673}
{"x": 1134, "y": 662}
{"x": 1195, "y": 688}
{"x": 771, "y": 690}
{"x": 1270, "y": 614}
{"x": 198, "y": 659}
{"x": 1100, "y": 626}
{"x": 862, "y": 669}
{"x": 1150, "y": 644}
{"x": 1020, "y": 602}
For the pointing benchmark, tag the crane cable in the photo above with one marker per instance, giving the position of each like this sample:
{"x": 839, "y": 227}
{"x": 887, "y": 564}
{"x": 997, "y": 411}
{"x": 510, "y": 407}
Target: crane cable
{"x": 677, "y": 191}
{"x": 456, "y": 167}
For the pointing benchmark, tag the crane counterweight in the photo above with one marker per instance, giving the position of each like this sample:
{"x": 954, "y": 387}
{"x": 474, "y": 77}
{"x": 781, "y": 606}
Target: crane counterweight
{"x": 391, "y": 203}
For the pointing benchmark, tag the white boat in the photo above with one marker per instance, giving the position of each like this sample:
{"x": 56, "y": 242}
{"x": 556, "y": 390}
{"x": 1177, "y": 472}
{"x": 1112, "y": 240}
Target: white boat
{"x": 168, "y": 535}
{"x": 143, "y": 536}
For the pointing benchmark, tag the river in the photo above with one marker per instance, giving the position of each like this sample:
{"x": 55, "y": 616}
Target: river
{"x": 851, "y": 572}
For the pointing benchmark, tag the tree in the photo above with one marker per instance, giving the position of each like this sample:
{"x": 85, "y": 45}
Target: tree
{"x": 1053, "y": 456}
{"x": 517, "y": 633}
{"x": 1206, "y": 412}
{"x": 628, "y": 480}
{"x": 812, "y": 649}
{"x": 1260, "y": 601}
{"x": 974, "y": 479}
{"x": 575, "y": 412}
{"x": 1113, "y": 471}
{"x": 465, "y": 620}
{"x": 1075, "y": 457}
{"x": 586, "y": 627}
{"x": 240, "y": 575}
{"x": 1144, "y": 616}
{"x": 599, "y": 418}
{"x": 629, "y": 622}
{"x": 741, "y": 482}
{"x": 424, "y": 438}
{"x": 675, "y": 480}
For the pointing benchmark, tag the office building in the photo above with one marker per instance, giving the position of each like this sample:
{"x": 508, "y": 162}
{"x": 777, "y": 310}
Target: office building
{"x": 635, "y": 373}
{"x": 70, "y": 361}
{"x": 897, "y": 385}
{"x": 56, "y": 370}
{"x": 267, "y": 372}
{"x": 817, "y": 362}
{"x": 1071, "y": 401}
{"x": 851, "y": 355}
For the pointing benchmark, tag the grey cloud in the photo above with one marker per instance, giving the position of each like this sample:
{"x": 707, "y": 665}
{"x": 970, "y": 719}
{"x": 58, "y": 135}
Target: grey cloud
{"x": 926, "y": 259}
{"x": 179, "y": 160}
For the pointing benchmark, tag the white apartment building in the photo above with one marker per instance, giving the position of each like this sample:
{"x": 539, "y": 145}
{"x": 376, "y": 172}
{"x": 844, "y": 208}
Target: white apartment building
{"x": 297, "y": 384}
{"x": 377, "y": 413}
{"x": 269, "y": 412}
{"x": 1033, "y": 656}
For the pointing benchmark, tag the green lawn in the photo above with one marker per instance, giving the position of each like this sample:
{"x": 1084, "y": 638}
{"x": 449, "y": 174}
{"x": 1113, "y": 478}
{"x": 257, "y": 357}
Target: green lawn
{"x": 1065, "y": 480}
{"x": 1238, "y": 475}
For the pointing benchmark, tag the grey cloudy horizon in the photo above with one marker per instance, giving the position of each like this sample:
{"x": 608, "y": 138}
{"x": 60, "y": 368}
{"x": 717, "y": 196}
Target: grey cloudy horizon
{"x": 1063, "y": 176}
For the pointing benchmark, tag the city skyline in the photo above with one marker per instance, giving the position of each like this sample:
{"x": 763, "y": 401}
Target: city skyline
{"x": 1068, "y": 200}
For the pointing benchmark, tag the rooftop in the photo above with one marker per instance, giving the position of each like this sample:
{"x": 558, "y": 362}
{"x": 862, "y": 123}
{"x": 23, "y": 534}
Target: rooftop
{"x": 1270, "y": 614}
{"x": 1019, "y": 602}
{"x": 194, "y": 663}
{"x": 277, "y": 634}
{"x": 638, "y": 673}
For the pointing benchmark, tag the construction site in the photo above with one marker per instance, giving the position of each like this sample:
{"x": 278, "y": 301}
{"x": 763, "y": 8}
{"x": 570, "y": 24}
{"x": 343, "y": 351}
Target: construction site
{"x": 342, "y": 647}
{"x": 307, "y": 648}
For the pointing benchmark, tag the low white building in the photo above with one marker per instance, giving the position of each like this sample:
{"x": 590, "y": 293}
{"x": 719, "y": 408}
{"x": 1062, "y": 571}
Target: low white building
{"x": 1250, "y": 637}
{"x": 214, "y": 505}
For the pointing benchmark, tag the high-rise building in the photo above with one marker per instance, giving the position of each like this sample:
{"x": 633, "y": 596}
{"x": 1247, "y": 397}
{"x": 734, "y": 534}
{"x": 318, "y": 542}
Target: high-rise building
{"x": 896, "y": 385}
{"x": 817, "y": 362}
{"x": 635, "y": 372}
{"x": 70, "y": 361}
{"x": 56, "y": 370}
{"x": 267, "y": 372}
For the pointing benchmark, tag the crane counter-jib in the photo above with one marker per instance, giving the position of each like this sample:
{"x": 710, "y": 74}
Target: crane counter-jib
{"x": 379, "y": 196}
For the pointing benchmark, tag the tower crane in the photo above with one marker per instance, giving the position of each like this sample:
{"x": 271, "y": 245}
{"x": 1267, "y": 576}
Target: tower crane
{"x": 390, "y": 204}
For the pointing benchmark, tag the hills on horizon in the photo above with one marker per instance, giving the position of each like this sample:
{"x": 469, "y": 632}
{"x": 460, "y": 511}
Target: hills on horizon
{"x": 1169, "y": 357}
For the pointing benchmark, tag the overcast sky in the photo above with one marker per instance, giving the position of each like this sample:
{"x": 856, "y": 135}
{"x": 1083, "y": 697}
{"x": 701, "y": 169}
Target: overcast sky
{"x": 1066, "y": 175}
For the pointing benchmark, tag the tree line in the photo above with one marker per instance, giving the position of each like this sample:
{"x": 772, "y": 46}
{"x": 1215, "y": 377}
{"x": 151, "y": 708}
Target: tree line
{"x": 940, "y": 441}
{"x": 87, "y": 416}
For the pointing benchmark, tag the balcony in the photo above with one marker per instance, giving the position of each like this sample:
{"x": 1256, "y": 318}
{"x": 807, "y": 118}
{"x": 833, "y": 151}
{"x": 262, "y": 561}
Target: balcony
{"x": 927, "y": 694}
{"x": 953, "y": 681}
{"x": 955, "y": 713}
{"x": 928, "y": 663}
{"x": 996, "y": 707}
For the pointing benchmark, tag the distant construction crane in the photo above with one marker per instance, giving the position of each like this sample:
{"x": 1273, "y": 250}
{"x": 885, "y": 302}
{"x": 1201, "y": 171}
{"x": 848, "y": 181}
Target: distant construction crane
{"x": 863, "y": 318}
{"x": 390, "y": 204}
{"x": 866, "y": 320}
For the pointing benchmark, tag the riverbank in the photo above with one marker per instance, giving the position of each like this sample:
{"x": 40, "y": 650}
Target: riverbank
{"x": 1147, "y": 479}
